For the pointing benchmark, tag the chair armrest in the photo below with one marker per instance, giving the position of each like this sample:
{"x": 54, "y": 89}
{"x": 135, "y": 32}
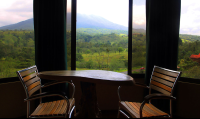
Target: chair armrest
{"x": 158, "y": 96}
{"x": 53, "y": 83}
{"x": 57, "y": 82}
{"x": 154, "y": 96}
{"x": 47, "y": 94}
{"x": 142, "y": 85}
{"x": 137, "y": 84}
{"x": 119, "y": 93}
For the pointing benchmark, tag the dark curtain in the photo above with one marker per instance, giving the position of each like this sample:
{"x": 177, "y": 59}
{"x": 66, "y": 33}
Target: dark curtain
{"x": 50, "y": 37}
{"x": 162, "y": 35}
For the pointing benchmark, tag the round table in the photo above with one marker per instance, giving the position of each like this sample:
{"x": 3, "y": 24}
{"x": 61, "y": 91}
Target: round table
{"x": 89, "y": 78}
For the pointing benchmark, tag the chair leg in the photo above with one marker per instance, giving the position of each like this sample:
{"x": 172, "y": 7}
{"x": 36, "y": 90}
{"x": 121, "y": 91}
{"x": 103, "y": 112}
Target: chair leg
{"x": 72, "y": 110}
{"x": 118, "y": 114}
{"x": 124, "y": 114}
{"x": 28, "y": 109}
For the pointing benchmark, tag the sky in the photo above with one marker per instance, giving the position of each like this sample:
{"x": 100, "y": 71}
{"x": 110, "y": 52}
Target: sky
{"x": 14, "y": 11}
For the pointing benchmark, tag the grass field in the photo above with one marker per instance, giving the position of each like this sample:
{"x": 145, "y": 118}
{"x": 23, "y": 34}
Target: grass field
{"x": 106, "y": 58}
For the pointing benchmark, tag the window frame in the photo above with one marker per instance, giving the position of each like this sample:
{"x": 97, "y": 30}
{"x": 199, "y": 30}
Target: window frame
{"x": 130, "y": 26}
{"x": 73, "y": 49}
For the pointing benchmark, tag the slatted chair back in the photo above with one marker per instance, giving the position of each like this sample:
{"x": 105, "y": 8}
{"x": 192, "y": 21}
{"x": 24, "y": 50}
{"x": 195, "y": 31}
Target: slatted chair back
{"x": 30, "y": 80}
{"x": 163, "y": 80}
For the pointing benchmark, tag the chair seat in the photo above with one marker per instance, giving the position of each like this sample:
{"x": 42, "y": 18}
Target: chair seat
{"x": 148, "y": 110}
{"x": 55, "y": 108}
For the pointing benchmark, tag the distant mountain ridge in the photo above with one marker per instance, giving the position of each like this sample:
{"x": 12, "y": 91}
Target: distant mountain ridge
{"x": 24, "y": 25}
{"x": 83, "y": 21}
{"x": 92, "y": 21}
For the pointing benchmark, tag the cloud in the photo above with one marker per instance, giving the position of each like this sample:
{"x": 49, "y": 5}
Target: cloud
{"x": 15, "y": 11}
{"x": 190, "y": 17}
{"x": 69, "y": 5}
{"x": 114, "y": 10}
{"x": 139, "y": 16}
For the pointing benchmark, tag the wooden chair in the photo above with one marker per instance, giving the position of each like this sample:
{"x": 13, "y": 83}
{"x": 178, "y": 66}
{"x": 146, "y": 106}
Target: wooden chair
{"x": 32, "y": 83}
{"x": 162, "y": 80}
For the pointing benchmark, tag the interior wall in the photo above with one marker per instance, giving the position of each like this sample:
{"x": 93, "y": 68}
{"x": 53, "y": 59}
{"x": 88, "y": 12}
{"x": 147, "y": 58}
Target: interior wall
{"x": 107, "y": 96}
{"x": 188, "y": 100}
{"x": 187, "y": 104}
{"x": 12, "y": 103}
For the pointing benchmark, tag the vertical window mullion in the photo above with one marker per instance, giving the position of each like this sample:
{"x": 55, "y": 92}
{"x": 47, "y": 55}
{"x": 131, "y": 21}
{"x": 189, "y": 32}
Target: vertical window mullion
{"x": 73, "y": 34}
{"x": 130, "y": 24}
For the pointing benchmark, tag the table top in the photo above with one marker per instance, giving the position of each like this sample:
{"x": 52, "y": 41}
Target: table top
{"x": 92, "y": 76}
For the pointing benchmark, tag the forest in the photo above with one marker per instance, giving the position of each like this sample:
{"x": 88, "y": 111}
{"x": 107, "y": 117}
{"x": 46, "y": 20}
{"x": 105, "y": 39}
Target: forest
{"x": 94, "y": 50}
{"x": 17, "y": 51}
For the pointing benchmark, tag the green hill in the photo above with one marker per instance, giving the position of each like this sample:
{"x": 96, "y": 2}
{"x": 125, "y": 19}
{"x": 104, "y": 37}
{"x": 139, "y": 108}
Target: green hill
{"x": 96, "y": 31}
{"x": 187, "y": 38}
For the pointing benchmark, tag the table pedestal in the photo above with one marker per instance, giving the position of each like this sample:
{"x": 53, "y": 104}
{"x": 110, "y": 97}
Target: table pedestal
{"x": 88, "y": 103}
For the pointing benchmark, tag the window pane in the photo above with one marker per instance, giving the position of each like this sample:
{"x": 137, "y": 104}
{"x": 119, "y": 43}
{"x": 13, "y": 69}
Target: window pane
{"x": 102, "y": 40}
{"x": 139, "y": 37}
{"x": 17, "y": 50}
{"x": 189, "y": 39}
{"x": 68, "y": 34}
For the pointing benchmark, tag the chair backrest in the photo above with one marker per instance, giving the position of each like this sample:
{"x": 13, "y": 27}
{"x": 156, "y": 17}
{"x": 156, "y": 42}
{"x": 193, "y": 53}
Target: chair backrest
{"x": 163, "y": 80}
{"x": 30, "y": 80}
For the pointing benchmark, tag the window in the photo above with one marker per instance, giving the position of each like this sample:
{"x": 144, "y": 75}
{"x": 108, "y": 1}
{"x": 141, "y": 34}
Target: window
{"x": 102, "y": 35}
{"x": 189, "y": 39}
{"x": 68, "y": 33}
{"x": 139, "y": 37}
{"x": 17, "y": 49}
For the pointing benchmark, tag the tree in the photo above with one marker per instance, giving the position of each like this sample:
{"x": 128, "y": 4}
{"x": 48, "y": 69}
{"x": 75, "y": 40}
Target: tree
{"x": 88, "y": 51}
{"x": 180, "y": 41}
{"x": 78, "y": 49}
{"x": 2, "y": 53}
{"x": 107, "y": 51}
{"x": 89, "y": 64}
{"x": 120, "y": 49}
{"x": 79, "y": 57}
{"x": 116, "y": 64}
